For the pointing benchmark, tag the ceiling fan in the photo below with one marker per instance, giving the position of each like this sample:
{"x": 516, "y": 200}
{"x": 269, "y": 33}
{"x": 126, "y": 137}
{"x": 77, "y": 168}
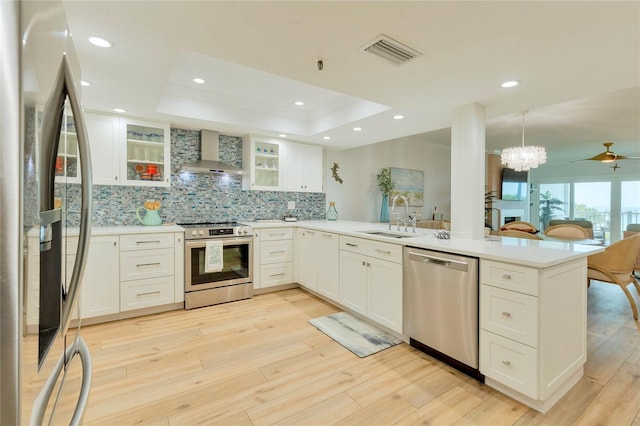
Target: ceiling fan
{"x": 608, "y": 156}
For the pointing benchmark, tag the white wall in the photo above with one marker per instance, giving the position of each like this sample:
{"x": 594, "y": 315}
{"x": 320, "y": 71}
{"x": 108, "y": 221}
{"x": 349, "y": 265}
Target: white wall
{"x": 358, "y": 197}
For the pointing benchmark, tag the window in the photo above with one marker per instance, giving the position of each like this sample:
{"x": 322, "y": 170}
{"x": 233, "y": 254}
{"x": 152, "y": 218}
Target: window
{"x": 592, "y": 202}
{"x": 629, "y": 204}
{"x": 554, "y": 202}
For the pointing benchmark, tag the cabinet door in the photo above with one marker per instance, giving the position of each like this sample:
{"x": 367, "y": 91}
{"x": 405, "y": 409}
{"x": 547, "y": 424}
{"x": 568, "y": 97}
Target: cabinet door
{"x": 353, "y": 281}
{"x": 67, "y": 161}
{"x": 302, "y": 168}
{"x": 306, "y": 259}
{"x": 103, "y": 132}
{"x": 262, "y": 159}
{"x": 146, "y": 154}
{"x": 328, "y": 264}
{"x": 100, "y": 290}
{"x": 385, "y": 293}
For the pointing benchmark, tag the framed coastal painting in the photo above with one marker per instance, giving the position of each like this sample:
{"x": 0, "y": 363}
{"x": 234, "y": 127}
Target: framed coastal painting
{"x": 409, "y": 183}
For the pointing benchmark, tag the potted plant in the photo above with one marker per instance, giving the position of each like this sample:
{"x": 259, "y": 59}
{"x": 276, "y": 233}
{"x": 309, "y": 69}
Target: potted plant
{"x": 386, "y": 185}
{"x": 548, "y": 206}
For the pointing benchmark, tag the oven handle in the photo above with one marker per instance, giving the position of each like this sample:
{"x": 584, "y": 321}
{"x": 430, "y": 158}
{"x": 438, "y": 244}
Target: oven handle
{"x": 225, "y": 242}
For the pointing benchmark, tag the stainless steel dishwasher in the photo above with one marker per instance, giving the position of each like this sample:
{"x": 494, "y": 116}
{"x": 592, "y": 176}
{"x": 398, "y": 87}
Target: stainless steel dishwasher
{"x": 441, "y": 307}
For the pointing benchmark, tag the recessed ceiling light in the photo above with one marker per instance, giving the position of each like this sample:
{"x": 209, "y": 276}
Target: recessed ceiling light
{"x": 299, "y": 103}
{"x": 357, "y": 129}
{"x": 119, "y": 110}
{"x": 326, "y": 138}
{"x": 398, "y": 117}
{"x": 85, "y": 83}
{"x": 100, "y": 42}
{"x": 282, "y": 135}
{"x": 198, "y": 80}
{"x": 510, "y": 83}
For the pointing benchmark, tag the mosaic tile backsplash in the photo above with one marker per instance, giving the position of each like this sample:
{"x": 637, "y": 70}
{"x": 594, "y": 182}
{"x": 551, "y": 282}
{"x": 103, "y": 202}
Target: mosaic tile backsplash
{"x": 198, "y": 197}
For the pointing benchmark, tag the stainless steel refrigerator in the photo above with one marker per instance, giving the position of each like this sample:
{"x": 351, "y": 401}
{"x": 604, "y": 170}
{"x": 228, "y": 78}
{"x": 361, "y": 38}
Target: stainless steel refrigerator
{"x": 45, "y": 214}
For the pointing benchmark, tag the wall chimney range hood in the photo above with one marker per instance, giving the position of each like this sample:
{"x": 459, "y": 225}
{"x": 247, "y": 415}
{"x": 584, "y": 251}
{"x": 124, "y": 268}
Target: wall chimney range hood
{"x": 210, "y": 162}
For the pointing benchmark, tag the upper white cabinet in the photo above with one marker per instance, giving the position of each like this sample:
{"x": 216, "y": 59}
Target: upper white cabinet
{"x": 302, "y": 168}
{"x": 261, "y": 161}
{"x": 128, "y": 152}
{"x": 146, "y": 154}
{"x": 104, "y": 138}
{"x": 67, "y": 160}
{"x": 276, "y": 165}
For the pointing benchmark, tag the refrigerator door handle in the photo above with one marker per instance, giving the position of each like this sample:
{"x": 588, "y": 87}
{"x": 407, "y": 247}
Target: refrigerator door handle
{"x": 65, "y": 86}
{"x": 78, "y": 347}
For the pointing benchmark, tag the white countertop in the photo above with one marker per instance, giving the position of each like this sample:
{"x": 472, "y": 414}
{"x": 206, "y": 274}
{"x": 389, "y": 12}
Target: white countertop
{"x": 534, "y": 253}
{"x": 123, "y": 229}
{"x": 135, "y": 229}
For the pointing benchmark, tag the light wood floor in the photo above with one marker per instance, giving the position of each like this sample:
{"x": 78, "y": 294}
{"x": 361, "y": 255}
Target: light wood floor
{"x": 259, "y": 362}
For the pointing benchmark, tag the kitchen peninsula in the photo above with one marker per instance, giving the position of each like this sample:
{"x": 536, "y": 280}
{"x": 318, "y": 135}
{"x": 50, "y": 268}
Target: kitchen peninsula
{"x": 532, "y": 306}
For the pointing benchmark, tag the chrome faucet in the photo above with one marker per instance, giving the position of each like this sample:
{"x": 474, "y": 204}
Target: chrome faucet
{"x": 406, "y": 211}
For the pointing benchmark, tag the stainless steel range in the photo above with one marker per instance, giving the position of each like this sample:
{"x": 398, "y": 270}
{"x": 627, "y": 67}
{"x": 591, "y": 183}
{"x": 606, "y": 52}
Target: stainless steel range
{"x": 233, "y": 278}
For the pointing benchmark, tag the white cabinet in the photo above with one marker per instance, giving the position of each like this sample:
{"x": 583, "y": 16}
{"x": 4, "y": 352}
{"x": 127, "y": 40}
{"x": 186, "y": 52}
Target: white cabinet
{"x": 532, "y": 329}
{"x": 146, "y": 270}
{"x": 146, "y": 151}
{"x": 354, "y": 276}
{"x": 261, "y": 161}
{"x": 123, "y": 272}
{"x": 100, "y": 290}
{"x": 371, "y": 280}
{"x": 306, "y": 262}
{"x": 317, "y": 261}
{"x": 273, "y": 255}
{"x": 302, "y": 167}
{"x": 276, "y": 165}
{"x": 328, "y": 264}
{"x": 67, "y": 160}
{"x": 385, "y": 293}
{"x": 104, "y": 139}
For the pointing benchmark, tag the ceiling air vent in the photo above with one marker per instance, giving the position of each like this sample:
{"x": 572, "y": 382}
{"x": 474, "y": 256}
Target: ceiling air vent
{"x": 391, "y": 50}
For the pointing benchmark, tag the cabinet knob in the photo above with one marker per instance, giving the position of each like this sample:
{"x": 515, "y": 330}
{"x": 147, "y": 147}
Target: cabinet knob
{"x": 506, "y": 362}
{"x": 506, "y": 276}
{"x": 116, "y": 177}
{"x": 506, "y": 314}
{"x": 364, "y": 263}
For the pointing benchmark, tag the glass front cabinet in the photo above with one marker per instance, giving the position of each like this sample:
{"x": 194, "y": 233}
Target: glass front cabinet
{"x": 67, "y": 160}
{"x": 264, "y": 159}
{"x": 147, "y": 151}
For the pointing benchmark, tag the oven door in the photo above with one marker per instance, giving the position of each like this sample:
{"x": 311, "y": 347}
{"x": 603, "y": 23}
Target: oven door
{"x": 237, "y": 265}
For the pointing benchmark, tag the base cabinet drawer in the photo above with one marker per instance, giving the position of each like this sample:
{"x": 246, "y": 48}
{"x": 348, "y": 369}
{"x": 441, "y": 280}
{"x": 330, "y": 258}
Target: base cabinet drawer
{"x": 145, "y": 293}
{"x": 509, "y": 314}
{"x": 510, "y": 277}
{"x": 276, "y": 274}
{"x": 145, "y": 241}
{"x": 510, "y": 363}
{"x": 143, "y": 264}
{"x": 276, "y": 251}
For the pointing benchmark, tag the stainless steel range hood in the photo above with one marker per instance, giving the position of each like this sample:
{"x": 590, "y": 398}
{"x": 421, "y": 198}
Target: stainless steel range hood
{"x": 210, "y": 162}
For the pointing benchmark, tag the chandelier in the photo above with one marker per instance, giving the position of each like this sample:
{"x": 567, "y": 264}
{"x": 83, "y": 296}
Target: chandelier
{"x": 523, "y": 158}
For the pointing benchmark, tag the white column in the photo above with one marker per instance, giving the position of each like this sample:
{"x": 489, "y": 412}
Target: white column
{"x": 467, "y": 171}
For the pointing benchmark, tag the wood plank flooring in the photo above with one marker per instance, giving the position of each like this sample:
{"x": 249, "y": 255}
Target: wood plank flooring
{"x": 259, "y": 362}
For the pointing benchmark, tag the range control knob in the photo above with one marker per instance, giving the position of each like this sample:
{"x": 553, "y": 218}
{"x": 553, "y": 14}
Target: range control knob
{"x": 201, "y": 232}
{"x": 194, "y": 232}
{"x": 242, "y": 230}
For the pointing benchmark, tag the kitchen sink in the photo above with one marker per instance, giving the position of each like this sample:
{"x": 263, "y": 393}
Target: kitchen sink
{"x": 391, "y": 234}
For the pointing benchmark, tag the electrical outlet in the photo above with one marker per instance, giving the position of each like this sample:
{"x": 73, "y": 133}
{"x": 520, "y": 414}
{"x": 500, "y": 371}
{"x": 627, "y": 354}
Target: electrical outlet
{"x": 291, "y": 205}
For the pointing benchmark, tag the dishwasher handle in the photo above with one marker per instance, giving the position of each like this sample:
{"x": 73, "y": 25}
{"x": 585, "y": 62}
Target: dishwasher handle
{"x": 439, "y": 261}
